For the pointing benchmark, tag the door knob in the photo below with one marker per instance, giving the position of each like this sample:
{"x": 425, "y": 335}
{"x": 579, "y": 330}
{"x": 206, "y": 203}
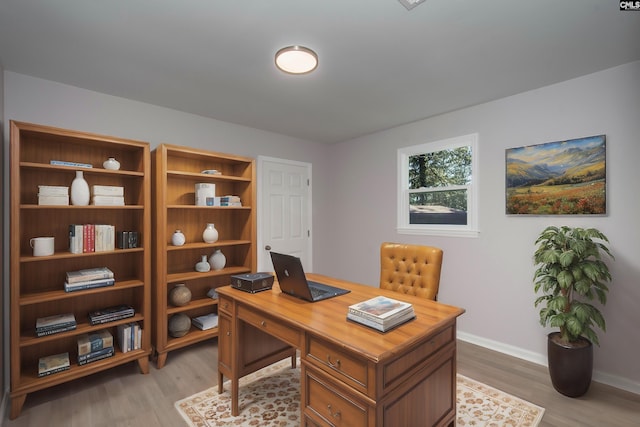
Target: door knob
{"x": 267, "y": 248}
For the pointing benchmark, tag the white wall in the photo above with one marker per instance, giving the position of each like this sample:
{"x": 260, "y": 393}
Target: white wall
{"x": 491, "y": 276}
{"x": 354, "y": 195}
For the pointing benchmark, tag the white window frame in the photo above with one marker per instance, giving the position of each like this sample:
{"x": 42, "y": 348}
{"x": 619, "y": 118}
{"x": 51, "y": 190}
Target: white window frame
{"x": 468, "y": 230}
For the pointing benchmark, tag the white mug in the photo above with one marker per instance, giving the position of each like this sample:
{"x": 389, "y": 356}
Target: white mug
{"x": 42, "y": 246}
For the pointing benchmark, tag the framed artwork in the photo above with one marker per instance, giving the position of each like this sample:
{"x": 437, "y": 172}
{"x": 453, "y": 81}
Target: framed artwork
{"x": 557, "y": 178}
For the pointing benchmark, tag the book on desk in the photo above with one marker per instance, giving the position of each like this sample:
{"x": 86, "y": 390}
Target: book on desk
{"x": 381, "y": 313}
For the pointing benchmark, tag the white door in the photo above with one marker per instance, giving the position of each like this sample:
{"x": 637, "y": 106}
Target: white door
{"x": 284, "y": 210}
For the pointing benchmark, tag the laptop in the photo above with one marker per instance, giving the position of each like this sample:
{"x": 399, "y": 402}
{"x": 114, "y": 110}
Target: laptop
{"x": 293, "y": 281}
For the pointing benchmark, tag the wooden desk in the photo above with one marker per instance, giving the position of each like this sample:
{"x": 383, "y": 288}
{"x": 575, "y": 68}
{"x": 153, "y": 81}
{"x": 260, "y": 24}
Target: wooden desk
{"x": 351, "y": 375}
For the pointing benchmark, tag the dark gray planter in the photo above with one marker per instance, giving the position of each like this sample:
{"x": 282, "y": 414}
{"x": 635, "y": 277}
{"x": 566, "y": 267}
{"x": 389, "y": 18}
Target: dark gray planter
{"x": 570, "y": 366}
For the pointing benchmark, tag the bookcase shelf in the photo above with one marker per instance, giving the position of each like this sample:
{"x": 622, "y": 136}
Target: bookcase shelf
{"x": 36, "y": 282}
{"x": 176, "y": 172}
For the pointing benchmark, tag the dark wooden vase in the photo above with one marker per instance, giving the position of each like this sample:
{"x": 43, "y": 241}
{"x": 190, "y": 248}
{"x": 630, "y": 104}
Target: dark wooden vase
{"x": 570, "y": 366}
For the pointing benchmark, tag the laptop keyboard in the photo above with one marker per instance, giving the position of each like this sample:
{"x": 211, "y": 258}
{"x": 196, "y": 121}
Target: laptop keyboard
{"x": 315, "y": 292}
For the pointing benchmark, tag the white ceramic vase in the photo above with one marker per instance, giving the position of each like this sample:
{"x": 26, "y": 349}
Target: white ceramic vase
{"x": 203, "y": 266}
{"x": 178, "y": 239}
{"x": 217, "y": 260}
{"x": 111, "y": 163}
{"x": 210, "y": 234}
{"x": 80, "y": 190}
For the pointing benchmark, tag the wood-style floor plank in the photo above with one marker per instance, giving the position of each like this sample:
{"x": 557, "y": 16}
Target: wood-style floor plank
{"x": 122, "y": 397}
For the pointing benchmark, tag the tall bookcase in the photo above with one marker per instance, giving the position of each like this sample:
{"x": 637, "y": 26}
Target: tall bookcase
{"x": 37, "y": 282}
{"x": 177, "y": 170}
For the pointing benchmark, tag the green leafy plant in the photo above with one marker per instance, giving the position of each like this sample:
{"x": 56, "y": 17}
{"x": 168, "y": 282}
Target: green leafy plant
{"x": 570, "y": 272}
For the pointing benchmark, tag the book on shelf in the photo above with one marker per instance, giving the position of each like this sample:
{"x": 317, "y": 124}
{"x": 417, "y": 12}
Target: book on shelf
{"x": 382, "y": 327}
{"x": 53, "y": 200}
{"x": 89, "y": 274}
{"x": 108, "y": 200}
{"x": 380, "y": 309}
{"x": 129, "y": 337}
{"x": 73, "y": 164}
{"x": 56, "y": 330}
{"x": 55, "y": 321}
{"x": 111, "y": 314}
{"x": 92, "y": 342}
{"x": 107, "y": 190}
{"x": 96, "y": 355}
{"x": 205, "y": 322}
{"x": 54, "y": 363}
{"x": 89, "y": 284}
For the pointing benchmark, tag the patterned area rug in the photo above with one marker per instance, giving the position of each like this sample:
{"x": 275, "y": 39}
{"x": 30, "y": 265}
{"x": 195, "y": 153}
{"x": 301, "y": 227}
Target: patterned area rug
{"x": 271, "y": 396}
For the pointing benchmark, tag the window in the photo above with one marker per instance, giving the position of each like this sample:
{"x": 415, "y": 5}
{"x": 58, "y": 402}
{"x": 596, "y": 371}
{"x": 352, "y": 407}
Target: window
{"x": 437, "y": 188}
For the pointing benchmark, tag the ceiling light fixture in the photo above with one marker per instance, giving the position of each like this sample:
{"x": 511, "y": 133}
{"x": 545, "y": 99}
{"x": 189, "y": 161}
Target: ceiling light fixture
{"x": 296, "y": 60}
{"x": 410, "y": 4}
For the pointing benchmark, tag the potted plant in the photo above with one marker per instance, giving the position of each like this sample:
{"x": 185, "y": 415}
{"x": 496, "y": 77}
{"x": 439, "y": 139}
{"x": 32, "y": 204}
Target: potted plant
{"x": 570, "y": 273}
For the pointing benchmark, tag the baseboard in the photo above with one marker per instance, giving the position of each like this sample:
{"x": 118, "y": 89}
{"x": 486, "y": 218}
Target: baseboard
{"x": 541, "y": 359}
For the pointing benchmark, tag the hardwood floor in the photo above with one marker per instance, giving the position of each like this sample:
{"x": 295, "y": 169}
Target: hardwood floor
{"x": 124, "y": 397}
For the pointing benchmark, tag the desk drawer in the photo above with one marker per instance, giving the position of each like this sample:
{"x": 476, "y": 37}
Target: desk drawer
{"x": 270, "y": 325}
{"x": 338, "y": 363}
{"x": 329, "y": 405}
{"x": 225, "y": 305}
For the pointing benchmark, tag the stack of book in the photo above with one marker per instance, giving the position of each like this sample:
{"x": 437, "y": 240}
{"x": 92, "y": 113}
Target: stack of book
{"x": 381, "y": 313}
{"x": 88, "y": 278}
{"x": 55, "y": 324}
{"x": 91, "y": 238}
{"x": 111, "y": 314}
{"x": 230, "y": 201}
{"x": 95, "y": 346}
{"x": 51, "y": 364}
{"x": 53, "y": 195}
{"x": 205, "y": 322}
{"x": 108, "y": 195}
{"x": 129, "y": 337}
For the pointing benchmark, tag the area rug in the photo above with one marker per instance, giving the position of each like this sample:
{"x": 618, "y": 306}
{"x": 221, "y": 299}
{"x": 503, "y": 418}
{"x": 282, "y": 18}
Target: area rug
{"x": 270, "y": 398}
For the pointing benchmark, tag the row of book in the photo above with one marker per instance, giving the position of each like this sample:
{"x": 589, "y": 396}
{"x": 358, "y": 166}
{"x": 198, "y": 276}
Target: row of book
{"x": 381, "y": 313}
{"x": 93, "y": 347}
{"x": 129, "y": 337}
{"x": 89, "y": 278}
{"x": 58, "y": 323}
{"x": 84, "y": 238}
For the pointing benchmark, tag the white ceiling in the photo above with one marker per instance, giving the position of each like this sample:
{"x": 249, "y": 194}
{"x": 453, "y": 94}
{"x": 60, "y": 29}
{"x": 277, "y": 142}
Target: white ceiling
{"x": 380, "y": 64}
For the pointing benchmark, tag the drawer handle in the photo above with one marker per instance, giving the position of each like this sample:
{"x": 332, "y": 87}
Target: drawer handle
{"x": 263, "y": 323}
{"x": 228, "y": 333}
{"x": 335, "y": 365}
{"x": 336, "y": 414}
{"x": 226, "y": 305}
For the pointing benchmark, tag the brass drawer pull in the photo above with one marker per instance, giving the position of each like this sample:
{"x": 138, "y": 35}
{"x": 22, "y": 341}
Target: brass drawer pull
{"x": 336, "y": 414}
{"x": 263, "y": 323}
{"x": 335, "y": 365}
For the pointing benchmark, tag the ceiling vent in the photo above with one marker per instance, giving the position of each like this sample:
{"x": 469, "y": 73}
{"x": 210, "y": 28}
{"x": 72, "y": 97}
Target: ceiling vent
{"x": 410, "y": 4}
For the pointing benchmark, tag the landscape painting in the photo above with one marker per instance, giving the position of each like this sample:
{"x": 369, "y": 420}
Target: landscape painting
{"x": 557, "y": 178}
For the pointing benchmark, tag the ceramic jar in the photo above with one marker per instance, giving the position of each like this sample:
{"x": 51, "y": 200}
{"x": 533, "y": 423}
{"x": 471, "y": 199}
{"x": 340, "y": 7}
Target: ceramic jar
{"x": 217, "y": 260}
{"x": 203, "y": 266}
{"x": 180, "y": 295}
{"x": 210, "y": 234}
{"x": 111, "y": 163}
{"x": 80, "y": 190}
{"x": 178, "y": 239}
{"x": 179, "y": 325}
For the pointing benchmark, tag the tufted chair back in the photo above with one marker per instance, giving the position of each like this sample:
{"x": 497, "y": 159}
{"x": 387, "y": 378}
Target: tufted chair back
{"x": 410, "y": 269}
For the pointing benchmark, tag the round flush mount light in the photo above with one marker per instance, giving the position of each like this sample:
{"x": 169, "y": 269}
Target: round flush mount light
{"x": 296, "y": 60}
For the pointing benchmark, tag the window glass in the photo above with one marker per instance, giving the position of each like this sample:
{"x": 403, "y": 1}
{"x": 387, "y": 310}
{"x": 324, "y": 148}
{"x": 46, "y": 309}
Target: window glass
{"x": 437, "y": 187}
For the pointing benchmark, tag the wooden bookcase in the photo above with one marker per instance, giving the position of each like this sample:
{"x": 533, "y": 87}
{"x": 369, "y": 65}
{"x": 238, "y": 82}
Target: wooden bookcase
{"x": 37, "y": 282}
{"x": 176, "y": 172}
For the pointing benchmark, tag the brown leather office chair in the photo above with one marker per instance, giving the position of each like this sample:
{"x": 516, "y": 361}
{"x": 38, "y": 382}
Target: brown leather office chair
{"x": 411, "y": 269}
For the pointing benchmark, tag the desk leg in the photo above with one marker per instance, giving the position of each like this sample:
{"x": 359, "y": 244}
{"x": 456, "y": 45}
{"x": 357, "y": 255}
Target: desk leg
{"x": 235, "y": 411}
